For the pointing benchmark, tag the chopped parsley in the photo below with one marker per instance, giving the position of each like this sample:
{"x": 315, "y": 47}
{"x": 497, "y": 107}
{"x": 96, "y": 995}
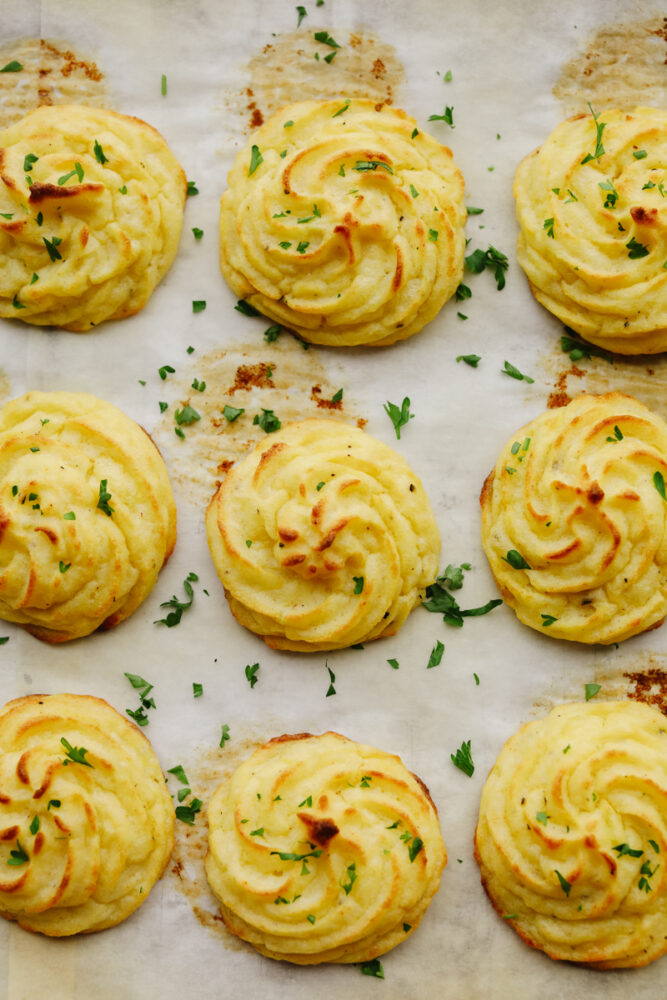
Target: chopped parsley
{"x": 163, "y": 85}
{"x": 547, "y": 620}
{"x": 288, "y": 856}
{"x": 515, "y": 560}
{"x": 302, "y": 246}
{"x": 618, "y": 435}
{"x": 577, "y": 348}
{"x": 302, "y": 12}
{"x": 447, "y": 117}
{"x": 197, "y": 233}
{"x": 28, "y": 161}
{"x": 592, "y": 690}
{"x": 463, "y": 292}
{"x": 232, "y": 413}
{"x": 251, "y": 674}
{"x": 244, "y": 307}
{"x": 18, "y": 856}
{"x": 611, "y": 193}
{"x": 75, "y": 755}
{"x": 326, "y": 39}
{"x": 52, "y": 247}
{"x": 415, "y": 847}
{"x": 178, "y": 607}
{"x": 198, "y": 305}
{"x": 564, "y": 884}
{"x": 144, "y": 688}
{"x": 436, "y": 655}
{"x": 332, "y": 679}
{"x": 636, "y": 250}
{"x": 78, "y": 170}
{"x": 53, "y": 802}
{"x": 471, "y": 210}
{"x": 413, "y": 191}
{"x": 268, "y": 421}
{"x": 433, "y": 235}
{"x": 165, "y": 370}
{"x": 70, "y": 515}
{"x": 639, "y": 154}
{"x": 479, "y": 260}
{"x": 399, "y": 417}
{"x": 192, "y": 188}
{"x": 463, "y": 759}
{"x": 256, "y": 159}
{"x": 103, "y": 499}
{"x": 337, "y": 396}
{"x": 542, "y": 818}
{"x": 440, "y": 601}
{"x": 63, "y": 566}
{"x": 625, "y": 849}
{"x": 358, "y": 584}
{"x": 17, "y": 304}
{"x": 372, "y": 968}
{"x": 599, "y": 148}
{"x": 188, "y": 415}
{"x": 341, "y": 111}
{"x": 34, "y": 825}
{"x": 188, "y": 813}
{"x": 12, "y": 67}
{"x": 352, "y": 878}
{"x": 548, "y": 226}
{"x": 509, "y": 369}
{"x": 659, "y": 483}
{"x": 394, "y": 664}
{"x": 365, "y": 165}
{"x": 272, "y": 333}
{"x": 470, "y": 359}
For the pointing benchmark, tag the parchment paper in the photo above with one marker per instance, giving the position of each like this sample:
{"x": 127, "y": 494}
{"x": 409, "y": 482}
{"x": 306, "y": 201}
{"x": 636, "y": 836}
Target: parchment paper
{"x": 505, "y": 59}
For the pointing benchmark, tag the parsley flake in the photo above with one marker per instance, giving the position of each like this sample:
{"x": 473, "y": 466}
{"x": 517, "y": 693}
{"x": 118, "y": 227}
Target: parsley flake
{"x": 192, "y": 188}
{"x": 256, "y": 159}
{"x": 12, "y": 67}
{"x": 165, "y": 370}
{"x": 447, "y": 117}
{"x": 637, "y": 250}
{"x": 463, "y": 759}
{"x": 188, "y": 813}
{"x": 18, "y": 856}
{"x": 224, "y": 735}
{"x": 592, "y": 690}
{"x": 564, "y": 884}
{"x": 394, "y": 664}
{"x": 548, "y": 226}
{"x": 232, "y": 413}
{"x": 509, "y": 369}
{"x": 599, "y": 148}
{"x": 103, "y": 500}
{"x": 399, "y": 417}
{"x": 302, "y": 12}
{"x": 436, "y": 655}
{"x": 547, "y": 620}
{"x": 479, "y": 260}
{"x": 197, "y": 689}
{"x": 52, "y": 247}
{"x": 75, "y": 755}
{"x": 470, "y": 359}
{"x": 515, "y": 560}
{"x": 352, "y": 876}
{"x": 372, "y": 968}
{"x": 659, "y": 483}
{"x": 251, "y": 674}
{"x": 365, "y": 165}
{"x": 332, "y": 679}
{"x": 188, "y": 415}
{"x": 268, "y": 421}
{"x": 326, "y": 39}
{"x": 178, "y": 607}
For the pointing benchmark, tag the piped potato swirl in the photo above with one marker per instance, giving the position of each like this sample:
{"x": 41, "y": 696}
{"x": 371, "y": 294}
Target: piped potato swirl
{"x": 572, "y": 834}
{"x": 344, "y": 222}
{"x": 574, "y": 520}
{"x": 323, "y": 850}
{"x": 592, "y": 206}
{"x": 323, "y": 537}
{"x": 73, "y": 559}
{"x": 91, "y": 208}
{"x": 86, "y": 822}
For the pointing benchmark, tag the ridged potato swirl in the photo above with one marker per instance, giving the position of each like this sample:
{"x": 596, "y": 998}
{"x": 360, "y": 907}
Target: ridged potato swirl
{"x": 572, "y": 834}
{"x": 574, "y": 521}
{"x": 86, "y": 822}
{"x": 71, "y": 560}
{"x": 592, "y": 207}
{"x": 323, "y": 850}
{"x": 91, "y": 208}
{"x": 344, "y": 222}
{"x": 322, "y": 537}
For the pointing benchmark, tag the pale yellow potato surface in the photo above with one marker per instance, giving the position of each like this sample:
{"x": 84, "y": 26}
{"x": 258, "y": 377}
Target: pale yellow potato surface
{"x": 323, "y": 537}
{"x": 96, "y": 835}
{"x": 582, "y": 794}
{"x": 576, "y": 494}
{"x": 350, "y": 229}
{"x": 67, "y": 564}
{"x": 362, "y": 844}
{"x": 83, "y": 241}
{"x": 593, "y": 239}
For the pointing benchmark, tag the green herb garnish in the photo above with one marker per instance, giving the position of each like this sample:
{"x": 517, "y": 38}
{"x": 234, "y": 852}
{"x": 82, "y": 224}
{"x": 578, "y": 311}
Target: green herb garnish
{"x": 399, "y": 417}
{"x": 463, "y": 759}
{"x": 251, "y": 674}
{"x": 103, "y": 499}
{"x": 75, "y": 755}
{"x": 268, "y": 421}
{"x": 178, "y": 607}
{"x": 436, "y": 655}
{"x": 256, "y": 159}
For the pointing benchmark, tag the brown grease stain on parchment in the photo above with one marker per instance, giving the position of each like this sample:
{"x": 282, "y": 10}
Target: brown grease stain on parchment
{"x": 644, "y": 377}
{"x": 640, "y": 676}
{"x": 286, "y": 71}
{"x": 621, "y": 65}
{"x": 186, "y": 868}
{"x": 281, "y": 376}
{"x": 53, "y": 73}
